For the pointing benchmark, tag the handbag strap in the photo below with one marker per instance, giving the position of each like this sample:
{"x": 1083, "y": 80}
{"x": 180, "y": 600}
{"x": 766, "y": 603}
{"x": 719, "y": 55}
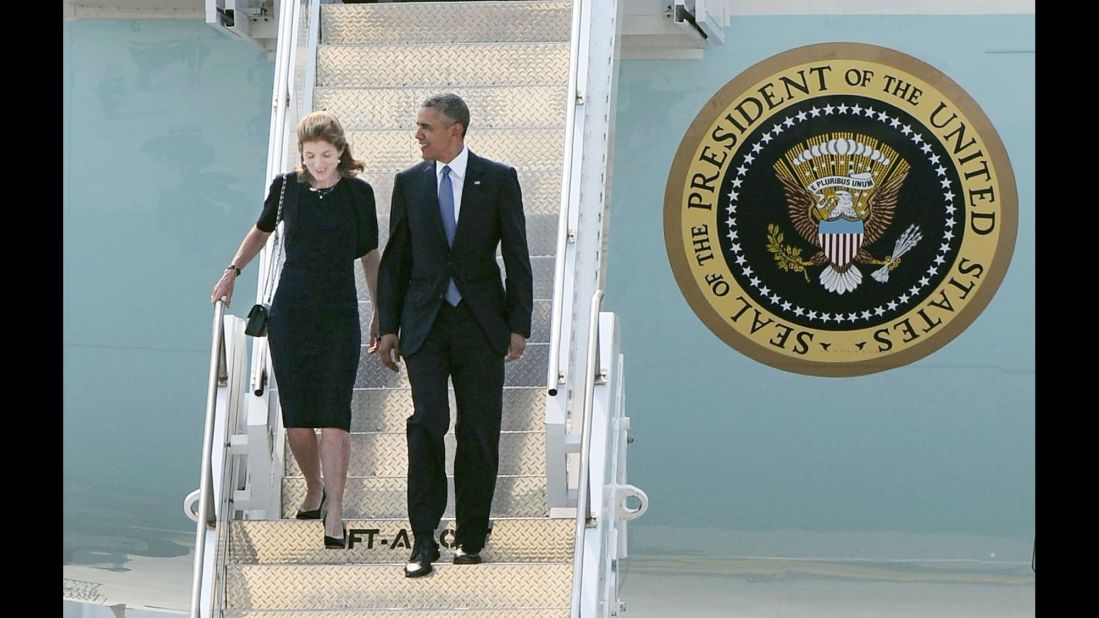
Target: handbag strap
{"x": 268, "y": 291}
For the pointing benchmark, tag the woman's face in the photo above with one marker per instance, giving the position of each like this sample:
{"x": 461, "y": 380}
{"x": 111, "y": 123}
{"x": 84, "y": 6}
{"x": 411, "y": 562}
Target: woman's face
{"x": 321, "y": 159}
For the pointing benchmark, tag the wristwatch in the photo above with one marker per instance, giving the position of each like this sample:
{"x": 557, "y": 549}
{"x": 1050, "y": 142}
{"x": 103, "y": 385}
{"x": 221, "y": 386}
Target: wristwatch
{"x": 233, "y": 267}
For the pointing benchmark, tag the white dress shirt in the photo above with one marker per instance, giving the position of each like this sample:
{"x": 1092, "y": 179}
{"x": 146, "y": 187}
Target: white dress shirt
{"x": 457, "y": 177}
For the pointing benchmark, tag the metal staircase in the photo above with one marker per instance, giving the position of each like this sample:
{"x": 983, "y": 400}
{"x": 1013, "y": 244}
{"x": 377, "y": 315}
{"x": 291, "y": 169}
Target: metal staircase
{"x": 374, "y": 65}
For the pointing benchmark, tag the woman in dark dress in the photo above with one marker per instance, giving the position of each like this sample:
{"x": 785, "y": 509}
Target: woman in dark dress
{"x": 313, "y": 332}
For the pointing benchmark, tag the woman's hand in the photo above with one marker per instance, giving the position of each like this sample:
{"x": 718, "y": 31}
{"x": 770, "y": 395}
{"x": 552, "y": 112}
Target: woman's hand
{"x": 224, "y": 287}
{"x": 373, "y": 334}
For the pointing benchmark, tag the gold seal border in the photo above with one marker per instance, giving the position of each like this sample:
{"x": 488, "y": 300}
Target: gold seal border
{"x": 774, "y": 65}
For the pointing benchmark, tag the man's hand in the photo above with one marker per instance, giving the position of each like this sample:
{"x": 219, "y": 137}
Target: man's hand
{"x": 516, "y": 347}
{"x": 389, "y": 349}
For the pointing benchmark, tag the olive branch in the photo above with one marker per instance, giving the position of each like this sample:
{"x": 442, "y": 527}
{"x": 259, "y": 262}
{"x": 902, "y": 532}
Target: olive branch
{"x": 788, "y": 258}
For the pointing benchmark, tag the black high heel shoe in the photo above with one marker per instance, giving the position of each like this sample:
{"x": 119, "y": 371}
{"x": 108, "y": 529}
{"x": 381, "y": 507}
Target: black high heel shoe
{"x": 331, "y": 542}
{"x": 315, "y": 513}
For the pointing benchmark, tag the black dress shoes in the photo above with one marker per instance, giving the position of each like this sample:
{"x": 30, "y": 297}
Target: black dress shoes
{"x": 424, "y": 551}
{"x": 461, "y": 556}
{"x": 315, "y": 513}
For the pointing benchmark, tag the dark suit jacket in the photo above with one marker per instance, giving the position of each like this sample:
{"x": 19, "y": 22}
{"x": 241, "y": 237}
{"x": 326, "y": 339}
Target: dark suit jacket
{"x": 416, "y": 263}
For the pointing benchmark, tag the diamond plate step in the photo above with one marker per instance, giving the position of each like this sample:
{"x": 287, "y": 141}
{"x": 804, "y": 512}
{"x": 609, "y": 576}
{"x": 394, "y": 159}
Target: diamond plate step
{"x": 442, "y": 22}
{"x": 362, "y": 109}
{"x": 522, "y": 453}
{"x": 375, "y": 65}
{"x": 443, "y": 66}
{"x": 484, "y": 586}
{"x": 530, "y": 149}
{"x": 400, "y": 613}
{"x": 385, "y": 497}
{"x": 530, "y": 370}
{"x": 540, "y": 318}
{"x": 541, "y": 188}
{"x": 388, "y": 541}
{"x": 541, "y": 270}
{"x": 385, "y": 409}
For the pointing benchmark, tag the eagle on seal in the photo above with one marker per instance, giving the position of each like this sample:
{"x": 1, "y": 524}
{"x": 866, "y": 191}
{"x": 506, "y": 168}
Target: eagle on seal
{"x": 843, "y": 229}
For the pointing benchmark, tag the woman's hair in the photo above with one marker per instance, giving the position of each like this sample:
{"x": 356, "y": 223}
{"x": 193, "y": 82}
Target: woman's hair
{"x": 323, "y": 125}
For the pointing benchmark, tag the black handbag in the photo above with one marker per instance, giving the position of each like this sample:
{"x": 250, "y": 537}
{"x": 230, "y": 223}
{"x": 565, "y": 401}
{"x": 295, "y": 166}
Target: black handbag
{"x": 260, "y": 314}
{"x": 256, "y": 326}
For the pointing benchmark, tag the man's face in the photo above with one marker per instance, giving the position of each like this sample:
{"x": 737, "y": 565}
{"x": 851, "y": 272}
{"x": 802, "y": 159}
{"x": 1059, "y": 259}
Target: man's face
{"x": 438, "y": 139}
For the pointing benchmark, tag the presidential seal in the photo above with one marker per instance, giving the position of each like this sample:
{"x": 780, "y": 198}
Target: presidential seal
{"x": 840, "y": 209}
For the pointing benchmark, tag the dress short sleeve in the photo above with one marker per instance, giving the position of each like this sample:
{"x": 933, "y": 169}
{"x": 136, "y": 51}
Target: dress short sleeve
{"x": 266, "y": 221}
{"x": 367, "y": 216}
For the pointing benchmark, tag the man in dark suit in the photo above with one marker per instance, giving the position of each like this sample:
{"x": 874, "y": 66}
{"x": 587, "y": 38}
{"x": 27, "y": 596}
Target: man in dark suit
{"x": 440, "y": 289}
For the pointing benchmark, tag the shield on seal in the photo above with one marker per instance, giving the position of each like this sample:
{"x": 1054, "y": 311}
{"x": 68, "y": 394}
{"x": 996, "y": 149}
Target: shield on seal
{"x": 840, "y": 239}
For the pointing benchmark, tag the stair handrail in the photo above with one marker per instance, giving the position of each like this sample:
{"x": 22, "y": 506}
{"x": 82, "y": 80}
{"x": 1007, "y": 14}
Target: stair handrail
{"x": 207, "y": 514}
{"x": 584, "y": 517}
{"x": 277, "y": 133}
{"x": 554, "y": 374}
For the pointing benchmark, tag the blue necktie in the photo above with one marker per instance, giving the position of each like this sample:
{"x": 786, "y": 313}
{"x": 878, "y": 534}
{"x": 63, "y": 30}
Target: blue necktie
{"x": 446, "y": 209}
